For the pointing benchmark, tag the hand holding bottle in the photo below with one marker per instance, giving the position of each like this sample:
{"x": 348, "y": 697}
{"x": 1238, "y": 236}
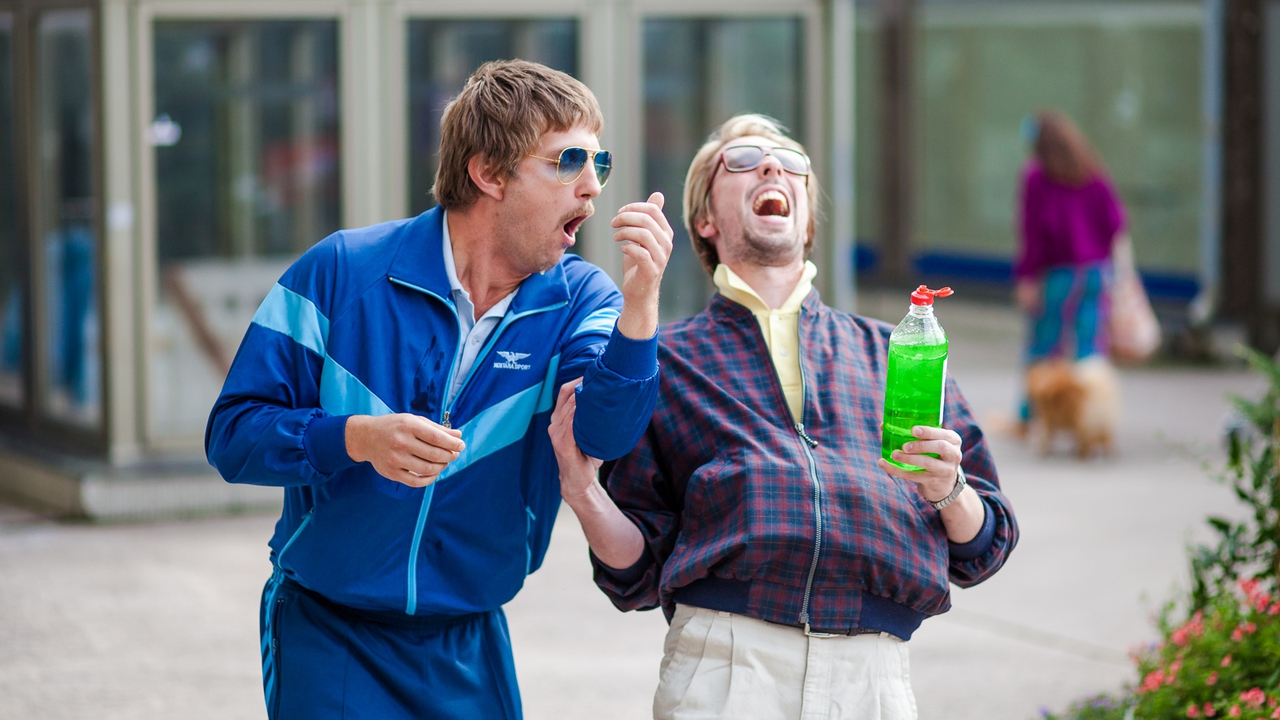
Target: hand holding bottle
{"x": 937, "y": 452}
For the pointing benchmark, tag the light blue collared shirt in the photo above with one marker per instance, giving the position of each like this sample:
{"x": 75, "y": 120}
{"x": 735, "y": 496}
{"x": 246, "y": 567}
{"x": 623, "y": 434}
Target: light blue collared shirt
{"x": 474, "y": 332}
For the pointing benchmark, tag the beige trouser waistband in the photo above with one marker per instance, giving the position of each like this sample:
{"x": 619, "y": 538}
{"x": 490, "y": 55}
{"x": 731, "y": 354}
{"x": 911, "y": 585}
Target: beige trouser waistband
{"x": 721, "y": 665}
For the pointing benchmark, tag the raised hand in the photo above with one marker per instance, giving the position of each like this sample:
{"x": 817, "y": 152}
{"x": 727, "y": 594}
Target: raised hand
{"x": 646, "y": 238}
{"x": 406, "y": 448}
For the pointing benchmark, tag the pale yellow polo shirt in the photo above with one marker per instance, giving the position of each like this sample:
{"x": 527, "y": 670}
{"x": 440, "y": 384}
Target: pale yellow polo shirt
{"x": 781, "y": 328}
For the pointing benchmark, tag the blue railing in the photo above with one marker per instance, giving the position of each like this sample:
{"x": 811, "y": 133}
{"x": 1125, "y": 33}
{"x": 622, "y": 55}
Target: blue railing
{"x": 996, "y": 270}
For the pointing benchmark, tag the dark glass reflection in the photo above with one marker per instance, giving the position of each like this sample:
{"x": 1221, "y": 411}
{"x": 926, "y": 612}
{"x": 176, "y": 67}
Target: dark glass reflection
{"x": 12, "y": 285}
{"x": 246, "y": 142}
{"x": 67, "y": 211}
{"x": 443, "y": 53}
{"x": 697, "y": 74}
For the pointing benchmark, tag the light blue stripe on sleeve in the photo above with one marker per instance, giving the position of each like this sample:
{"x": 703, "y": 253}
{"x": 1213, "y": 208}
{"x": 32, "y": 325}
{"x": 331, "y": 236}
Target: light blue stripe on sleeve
{"x": 342, "y": 393}
{"x": 600, "y": 321}
{"x": 504, "y": 423}
{"x": 289, "y": 313}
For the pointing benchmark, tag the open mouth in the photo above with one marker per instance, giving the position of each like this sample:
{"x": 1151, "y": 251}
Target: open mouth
{"x": 771, "y": 202}
{"x": 571, "y": 228}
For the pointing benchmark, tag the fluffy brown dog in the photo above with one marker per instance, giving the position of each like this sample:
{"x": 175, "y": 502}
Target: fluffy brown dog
{"x": 1079, "y": 399}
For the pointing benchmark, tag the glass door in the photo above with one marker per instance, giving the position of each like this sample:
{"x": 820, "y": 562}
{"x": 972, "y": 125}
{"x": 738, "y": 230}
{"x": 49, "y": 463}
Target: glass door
{"x": 699, "y": 72}
{"x": 66, "y": 224}
{"x": 247, "y": 176}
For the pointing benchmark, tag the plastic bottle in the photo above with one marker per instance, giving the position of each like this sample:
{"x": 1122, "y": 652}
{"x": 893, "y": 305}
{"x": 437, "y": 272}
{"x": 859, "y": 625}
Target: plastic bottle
{"x": 914, "y": 391}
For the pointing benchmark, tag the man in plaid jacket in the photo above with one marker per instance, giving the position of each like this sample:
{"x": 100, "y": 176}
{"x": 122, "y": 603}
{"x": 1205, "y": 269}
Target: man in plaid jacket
{"x": 792, "y": 561}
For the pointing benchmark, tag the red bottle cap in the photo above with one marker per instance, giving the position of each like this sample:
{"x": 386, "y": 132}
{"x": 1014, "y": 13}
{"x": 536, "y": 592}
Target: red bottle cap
{"x": 924, "y": 296}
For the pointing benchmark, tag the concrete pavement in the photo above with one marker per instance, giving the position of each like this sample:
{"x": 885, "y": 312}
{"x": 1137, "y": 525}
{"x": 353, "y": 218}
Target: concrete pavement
{"x": 160, "y": 620}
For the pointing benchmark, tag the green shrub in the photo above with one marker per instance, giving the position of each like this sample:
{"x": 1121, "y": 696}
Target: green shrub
{"x": 1222, "y": 660}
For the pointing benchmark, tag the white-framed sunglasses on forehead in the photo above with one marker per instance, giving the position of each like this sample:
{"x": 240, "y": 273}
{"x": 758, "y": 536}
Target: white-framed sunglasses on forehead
{"x": 744, "y": 158}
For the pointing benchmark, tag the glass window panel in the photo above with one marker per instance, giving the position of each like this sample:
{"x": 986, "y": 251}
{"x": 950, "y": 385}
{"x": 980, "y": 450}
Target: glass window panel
{"x": 1130, "y": 77}
{"x": 12, "y": 285}
{"x": 66, "y": 216}
{"x": 444, "y": 53}
{"x": 697, "y": 74}
{"x": 247, "y": 178}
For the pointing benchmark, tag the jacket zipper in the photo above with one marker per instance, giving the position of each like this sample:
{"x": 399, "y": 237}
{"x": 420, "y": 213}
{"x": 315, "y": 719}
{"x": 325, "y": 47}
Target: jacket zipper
{"x": 411, "y": 602}
{"x": 807, "y": 443}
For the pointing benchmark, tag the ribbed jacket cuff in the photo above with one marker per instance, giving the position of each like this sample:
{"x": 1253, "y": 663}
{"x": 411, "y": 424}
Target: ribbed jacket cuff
{"x": 325, "y": 441}
{"x": 635, "y": 359}
{"x": 629, "y": 575}
{"x": 981, "y": 543}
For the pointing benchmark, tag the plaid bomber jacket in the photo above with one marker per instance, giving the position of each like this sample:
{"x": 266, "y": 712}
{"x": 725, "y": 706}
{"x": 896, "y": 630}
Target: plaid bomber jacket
{"x": 746, "y": 511}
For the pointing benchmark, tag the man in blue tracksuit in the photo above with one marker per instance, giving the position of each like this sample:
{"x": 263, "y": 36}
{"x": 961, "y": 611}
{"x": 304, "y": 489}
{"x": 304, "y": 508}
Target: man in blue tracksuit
{"x": 398, "y": 382}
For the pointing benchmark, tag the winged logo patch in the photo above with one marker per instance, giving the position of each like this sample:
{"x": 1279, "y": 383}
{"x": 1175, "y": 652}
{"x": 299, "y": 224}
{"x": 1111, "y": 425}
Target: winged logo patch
{"x": 511, "y": 360}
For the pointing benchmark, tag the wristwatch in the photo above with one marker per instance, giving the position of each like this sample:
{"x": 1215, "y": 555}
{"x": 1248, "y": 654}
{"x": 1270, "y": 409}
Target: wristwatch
{"x": 955, "y": 492}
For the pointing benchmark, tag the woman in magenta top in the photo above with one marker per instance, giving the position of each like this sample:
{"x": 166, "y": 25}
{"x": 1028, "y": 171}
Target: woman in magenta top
{"x": 1070, "y": 219}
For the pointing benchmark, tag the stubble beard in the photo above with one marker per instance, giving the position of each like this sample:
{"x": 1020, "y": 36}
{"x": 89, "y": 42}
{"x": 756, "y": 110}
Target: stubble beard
{"x": 771, "y": 250}
{"x": 526, "y": 239}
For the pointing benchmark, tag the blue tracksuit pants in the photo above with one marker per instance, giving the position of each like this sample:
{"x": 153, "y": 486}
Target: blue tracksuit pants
{"x": 324, "y": 661}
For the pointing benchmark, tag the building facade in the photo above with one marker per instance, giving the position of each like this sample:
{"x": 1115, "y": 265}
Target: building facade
{"x": 163, "y": 161}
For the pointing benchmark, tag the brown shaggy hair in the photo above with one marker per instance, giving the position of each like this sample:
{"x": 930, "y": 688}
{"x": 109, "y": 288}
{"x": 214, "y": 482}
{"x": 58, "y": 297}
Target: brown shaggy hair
{"x": 500, "y": 115}
{"x": 1063, "y": 151}
{"x": 697, "y": 184}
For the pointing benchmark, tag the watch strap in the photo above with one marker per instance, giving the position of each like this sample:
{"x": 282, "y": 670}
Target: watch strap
{"x": 961, "y": 483}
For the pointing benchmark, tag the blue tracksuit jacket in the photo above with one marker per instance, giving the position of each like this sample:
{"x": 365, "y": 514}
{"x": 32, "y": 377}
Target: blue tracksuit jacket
{"x": 364, "y": 323}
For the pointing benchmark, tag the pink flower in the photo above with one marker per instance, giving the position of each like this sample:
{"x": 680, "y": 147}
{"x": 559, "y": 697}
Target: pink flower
{"x": 1250, "y": 628}
{"x": 1193, "y": 711}
{"x": 1276, "y": 714}
{"x": 1179, "y": 636}
{"x": 1234, "y": 711}
{"x": 1211, "y": 680}
{"x": 1254, "y": 697}
{"x": 1209, "y": 711}
{"x": 1152, "y": 681}
{"x": 1257, "y": 599}
{"x": 1226, "y": 660}
{"x": 1237, "y": 634}
{"x": 1274, "y": 609}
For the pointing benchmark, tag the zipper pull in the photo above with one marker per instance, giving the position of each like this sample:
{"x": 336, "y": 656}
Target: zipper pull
{"x": 444, "y": 420}
{"x": 805, "y": 436}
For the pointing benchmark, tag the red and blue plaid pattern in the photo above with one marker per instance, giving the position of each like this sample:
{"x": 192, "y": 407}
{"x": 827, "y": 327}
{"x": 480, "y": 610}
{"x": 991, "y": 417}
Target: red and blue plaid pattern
{"x": 720, "y": 485}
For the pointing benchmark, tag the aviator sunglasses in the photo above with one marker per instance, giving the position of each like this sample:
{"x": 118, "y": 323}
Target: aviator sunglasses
{"x": 573, "y": 161}
{"x": 744, "y": 158}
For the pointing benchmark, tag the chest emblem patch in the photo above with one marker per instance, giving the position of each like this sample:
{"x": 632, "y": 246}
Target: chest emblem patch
{"x": 511, "y": 360}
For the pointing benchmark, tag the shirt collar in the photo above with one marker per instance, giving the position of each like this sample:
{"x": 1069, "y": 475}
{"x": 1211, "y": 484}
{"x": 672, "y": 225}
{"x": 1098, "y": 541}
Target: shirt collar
{"x": 450, "y": 269}
{"x": 737, "y": 289}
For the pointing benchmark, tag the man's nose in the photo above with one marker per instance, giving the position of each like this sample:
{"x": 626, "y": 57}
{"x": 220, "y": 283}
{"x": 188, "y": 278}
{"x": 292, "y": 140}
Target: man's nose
{"x": 769, "y": 165}
{"x": 588, "y": 184}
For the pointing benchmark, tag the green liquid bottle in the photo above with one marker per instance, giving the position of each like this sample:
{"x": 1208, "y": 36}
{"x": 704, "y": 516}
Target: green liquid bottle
{"x": 915, "y": 389}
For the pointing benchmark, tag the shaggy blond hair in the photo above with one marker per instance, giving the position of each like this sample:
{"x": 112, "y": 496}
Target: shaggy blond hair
{"x": 697, "y": 184}
{"x": 500, "y": 115}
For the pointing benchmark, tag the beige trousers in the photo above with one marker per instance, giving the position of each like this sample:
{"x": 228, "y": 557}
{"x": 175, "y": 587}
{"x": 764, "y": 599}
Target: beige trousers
{"x": 720, "y": 665}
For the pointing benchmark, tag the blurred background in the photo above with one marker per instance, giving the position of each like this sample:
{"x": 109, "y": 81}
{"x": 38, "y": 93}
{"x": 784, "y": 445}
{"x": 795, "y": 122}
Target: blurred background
{"x": 163, "y": 161}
